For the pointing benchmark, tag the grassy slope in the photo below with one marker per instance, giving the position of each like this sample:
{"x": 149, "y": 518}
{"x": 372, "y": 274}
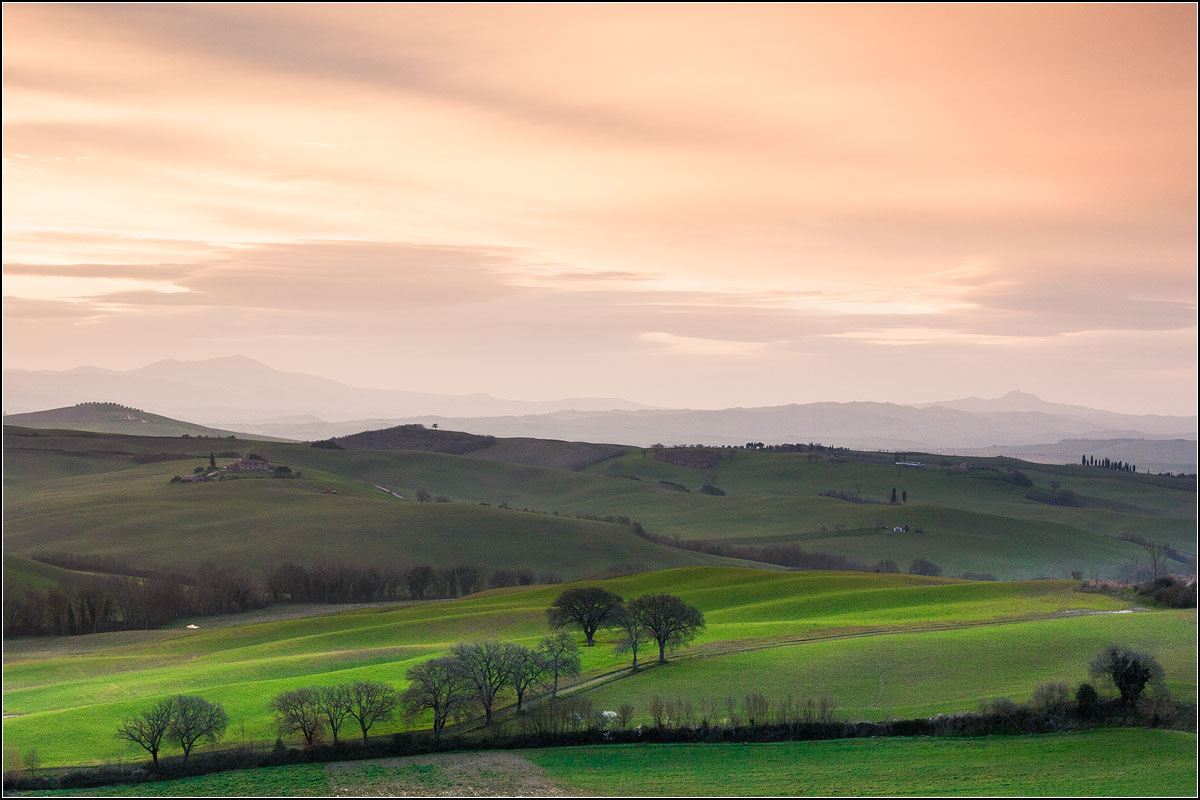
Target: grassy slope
{"x": 973, "y": 522}
{"x": 1096, "y": 763}
{"x": 259, "y": 521}
{"x": 69, "y": 704}
{"x": 24, "y": 573}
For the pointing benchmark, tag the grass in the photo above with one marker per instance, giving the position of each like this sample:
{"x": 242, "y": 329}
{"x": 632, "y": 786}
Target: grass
{"x": 1116, "y": 762}
{"x": 1096, "y": 763}
{"x": 915, "y": 674}
{"x": 24, "y": 573}
{"x": 263, "y": 522}
{"x": 73, "y": 492}
{"x": 70, "y": 695}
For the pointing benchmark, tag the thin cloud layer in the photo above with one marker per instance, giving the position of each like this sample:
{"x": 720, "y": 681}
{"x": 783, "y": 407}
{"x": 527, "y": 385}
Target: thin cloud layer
{"x": 811, "y": 202}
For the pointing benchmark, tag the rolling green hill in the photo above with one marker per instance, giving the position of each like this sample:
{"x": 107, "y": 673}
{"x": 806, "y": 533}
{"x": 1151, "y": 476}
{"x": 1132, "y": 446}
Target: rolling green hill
{"x": 820, "y": 633}
{"x": 107, "y": 495}
{"x": 24, "y": 573}
{"x": 90, "y": 493}
{"x": 531, "y": 452}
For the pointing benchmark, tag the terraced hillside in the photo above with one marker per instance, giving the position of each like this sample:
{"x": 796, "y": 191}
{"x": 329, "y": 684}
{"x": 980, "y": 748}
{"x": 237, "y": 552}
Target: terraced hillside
{"x": 877, "y": 644}
{"x": 985, "y": 516}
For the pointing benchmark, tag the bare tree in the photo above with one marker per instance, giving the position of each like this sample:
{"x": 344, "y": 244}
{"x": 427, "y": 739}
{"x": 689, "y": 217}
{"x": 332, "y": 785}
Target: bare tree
{"x": 486, "y": 667}
{"x": 526, "y": 669}
{"x": 371, "y": 702}
{"x": 438, "y": 686}
{"x": 468, "y": 579}
{"x": 670, "y": 622}
{"x": 419, "y": 579}
{"x": 1156, "y": 559}
{"x": 193, "y": 719}
{"x": 149, "y": 728}
{"x": 632, "y": 634}
{"x": 589, "y": 607}
{"x": 562, "y": 657}
{"x": 298, "y": 710}
{"x": 333, "y": 702}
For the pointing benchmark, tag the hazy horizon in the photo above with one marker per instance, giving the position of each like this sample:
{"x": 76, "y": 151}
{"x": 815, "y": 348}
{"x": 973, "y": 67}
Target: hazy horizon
{"x": 701, "y": 206}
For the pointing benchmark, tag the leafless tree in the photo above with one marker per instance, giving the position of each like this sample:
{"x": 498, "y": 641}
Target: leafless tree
{"x": 371, "y": 702}
{"x": 589, "y": 607}
{"x": 298, "y": 710}
{"x": 670, "y": 622}
{"x": 149, "y": 728}
{"x": 333, "y": 702}
{"x": 632, "y": 634}
{"x": 1156, "y": 559}
{"x": 438, "y": 686}
{"x": 527, "y": 668}
{"x": 193, "y": 719}
{"x": 562, "y": 657}
{"x": 487, "y": 667}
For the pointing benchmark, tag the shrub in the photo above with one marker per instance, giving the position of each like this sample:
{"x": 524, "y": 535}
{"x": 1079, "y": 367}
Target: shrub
{"x": 1129, "y": 670}
{"x": 1087, "y": 701}
{"x": 1051, "y": 697}
{"x": 923, "y": 566}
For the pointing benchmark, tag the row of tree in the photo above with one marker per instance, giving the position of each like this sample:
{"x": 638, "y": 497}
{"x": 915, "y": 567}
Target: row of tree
{"x": 472, "y": 676}
{"x": 126, "y": 597}
{"x": 129, "y": 602}
{"x": 661, "y": 618}
{"x": 183, "y": 720}
{"x": 1108, "y": 463}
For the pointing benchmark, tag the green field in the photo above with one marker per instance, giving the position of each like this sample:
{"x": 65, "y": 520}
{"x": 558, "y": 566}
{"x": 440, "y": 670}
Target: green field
{"x": 85, "y": 493}
{"x": 1104, "y": 763}
{"x": 1101, "y": 763}
{"x": 808, "y": 633}
{"x": 25, "y": 573}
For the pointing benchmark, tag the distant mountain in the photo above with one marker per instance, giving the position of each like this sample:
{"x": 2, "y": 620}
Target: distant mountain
{"x": 236, "y": 389}
{"x": 871, "y": 426}
{"x": 243, "y": 394}
{"x": 113, "y": 418}
{"x": 1018, "y": 402}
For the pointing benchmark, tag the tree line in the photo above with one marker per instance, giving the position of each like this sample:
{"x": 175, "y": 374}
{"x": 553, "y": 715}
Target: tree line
{"x": 121, "y": 596}
{"x": 1108, "y": 463}
{"x": 472, "y": 675}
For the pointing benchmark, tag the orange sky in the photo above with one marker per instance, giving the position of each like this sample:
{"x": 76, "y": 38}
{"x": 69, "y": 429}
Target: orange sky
{"x": 682, "y": 205}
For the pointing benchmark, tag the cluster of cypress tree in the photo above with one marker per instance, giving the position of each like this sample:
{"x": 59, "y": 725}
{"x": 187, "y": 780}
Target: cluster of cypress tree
{"x": 1108, "y": 463}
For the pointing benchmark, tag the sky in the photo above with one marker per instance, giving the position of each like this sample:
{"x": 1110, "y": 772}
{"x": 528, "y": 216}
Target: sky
{"x": 695, "y": 206}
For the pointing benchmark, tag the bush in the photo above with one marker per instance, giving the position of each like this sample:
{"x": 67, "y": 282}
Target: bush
{"x": 1129, "y": 671}
{"x": 923, "y": 566}
{"x": 1087, "y": 701}
{"x": 1170, "y": 591}
{"x": 1051, "y": 697}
